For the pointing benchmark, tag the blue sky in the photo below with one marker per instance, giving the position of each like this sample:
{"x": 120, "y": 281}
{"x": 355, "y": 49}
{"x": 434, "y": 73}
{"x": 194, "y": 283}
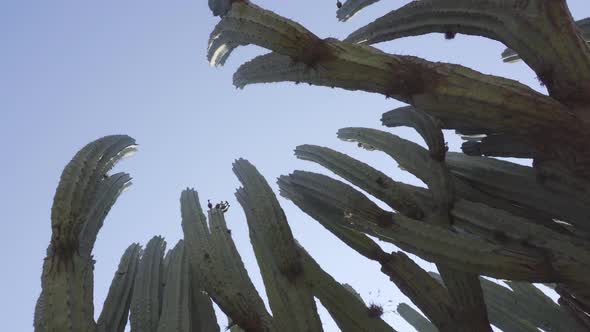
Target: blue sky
{"x": 74, "y": 71}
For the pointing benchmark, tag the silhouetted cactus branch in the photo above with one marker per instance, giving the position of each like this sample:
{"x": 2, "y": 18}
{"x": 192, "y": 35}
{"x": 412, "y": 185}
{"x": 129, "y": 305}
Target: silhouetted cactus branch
{"x": 115, "y": 312}
{"x": 290, "y": 298}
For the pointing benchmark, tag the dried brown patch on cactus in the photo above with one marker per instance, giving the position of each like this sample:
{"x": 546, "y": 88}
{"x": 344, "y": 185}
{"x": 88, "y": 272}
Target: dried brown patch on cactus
{"x": 385, "y": 219}
{"x": 251, "y": 324}
{"x": 292, "y": 271}
{"x": 375, "y": 310}
{"x": 408, "y": 78}
{"x": 315, "y": 52}
{"x": 62, "y": 250}
{"x": 381, "y": 182}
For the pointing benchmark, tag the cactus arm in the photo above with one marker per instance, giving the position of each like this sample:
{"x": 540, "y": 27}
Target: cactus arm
{"x": 464, "y": 190}
{"x": 115, "y": 311}
{"x": 426, "y": 293}
{"x": 175, "y": 314}
{"x": 348, "y": 311}
{"x": 111, "y": 188}
{"x": 428, "y": 127}
{"x": 290, "y": 298}
{"x": 500, "y": 146}
{"x": 407, "y": 199}
{"x": 449, "y": 92}
{"x": 351, "y": 7}
{"x": 542, "y": 32}
{"x": 509, "y": 55}
{"x": 568, "y": 254}
{"x": 202, "y": 313}
{"x": 79, "y": 205}
{"x": 81, "y": 185}
{"x": 247, "y": 23}
{"x": 414, "y": 318}
{"x": 213, "y": 256}
{"x": 331, "y": 221}
{"x": 39, "y": 317}
{"x": 519, "y": 185}
{"x": 541, "y": 310}
{"x": 525, "y": 306}
{"x": 220, "y": 7}
{"x": 409, "y": 155}
{"x": 146, "y": 302}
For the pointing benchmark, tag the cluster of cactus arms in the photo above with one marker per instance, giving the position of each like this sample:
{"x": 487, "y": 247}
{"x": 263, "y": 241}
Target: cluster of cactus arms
{"x": 478, "y": 217}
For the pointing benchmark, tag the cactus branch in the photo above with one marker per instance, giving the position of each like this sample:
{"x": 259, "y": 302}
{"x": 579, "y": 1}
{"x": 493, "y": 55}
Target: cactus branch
{"x": 519, "y": 184}
{"x": 428, "y": 127}
{"x": 407, "y": 199}
{"x": 351, "y": 7}
{"x": 290, "y": 298}
{"x": 213, "y": 255}
{"x": 147, "y": 291}
{"x": 542, "y": 33}
{"x": 175, "y": 315}
{"x": 115, "y": 311}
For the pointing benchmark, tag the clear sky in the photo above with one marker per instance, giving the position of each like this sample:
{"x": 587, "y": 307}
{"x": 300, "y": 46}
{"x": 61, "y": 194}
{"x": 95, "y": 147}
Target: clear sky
{"x": 73, "y": 71}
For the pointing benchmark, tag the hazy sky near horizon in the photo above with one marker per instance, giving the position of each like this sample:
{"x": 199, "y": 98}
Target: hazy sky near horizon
{"x": 74, "y": 71}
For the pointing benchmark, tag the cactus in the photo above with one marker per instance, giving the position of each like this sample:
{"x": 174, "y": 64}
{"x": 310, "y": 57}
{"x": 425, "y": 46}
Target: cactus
{"x": 477, "y": 216}
{"x": 172, "y": 291}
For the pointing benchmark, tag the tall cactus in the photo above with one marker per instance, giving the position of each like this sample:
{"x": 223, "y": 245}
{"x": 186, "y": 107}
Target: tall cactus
{"x": 477, "y": 216}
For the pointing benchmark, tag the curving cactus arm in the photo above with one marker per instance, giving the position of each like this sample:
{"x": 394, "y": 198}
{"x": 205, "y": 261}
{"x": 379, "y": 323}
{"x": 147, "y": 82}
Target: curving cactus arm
{"x": 351, "y": 7}
{"x": 83, "y": 197}
{"x": 115, "y": 311}
{"x": 290, "y": 298}
{"x": 176, "y": 297}
{"x": 542, "y": 33}
{"x": 509, "y": 55}
{"x": 519, "y": 184}
{"x": 427, "y": 126}
{"x": 146, "y": 303}
{"x": 409, "y": 200}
